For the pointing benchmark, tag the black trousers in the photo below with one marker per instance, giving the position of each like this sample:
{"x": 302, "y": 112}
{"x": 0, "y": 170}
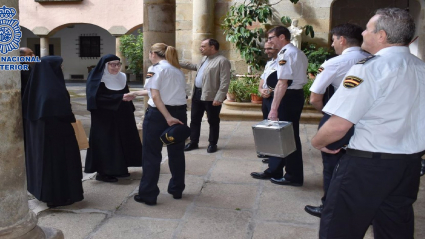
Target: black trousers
{"x": 371, "y": 190}
{"x": 290, "y": 109}
{"x": 330, "y": 161}
{"x": 213, "y": 113}
{"x": 154, "y": 125}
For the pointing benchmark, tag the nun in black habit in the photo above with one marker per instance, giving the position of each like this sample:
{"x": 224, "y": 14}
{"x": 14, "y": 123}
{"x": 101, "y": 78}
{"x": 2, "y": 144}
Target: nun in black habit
{"x": 114, "y": 140}
{"x": 53, "y": 162}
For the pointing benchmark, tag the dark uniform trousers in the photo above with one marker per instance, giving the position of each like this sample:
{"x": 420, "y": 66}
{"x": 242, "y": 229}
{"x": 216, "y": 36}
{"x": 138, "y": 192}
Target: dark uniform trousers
{"x": 213, "y": 113}
{"x": 373, "y": 190}
{"x": 329, "y": 163}
{"x": 154, "y": 125}
{"x": 290, "y": 109}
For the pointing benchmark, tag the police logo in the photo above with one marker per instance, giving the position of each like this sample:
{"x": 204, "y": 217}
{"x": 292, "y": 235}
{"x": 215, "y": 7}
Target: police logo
{"x": 352, "y": 82}
{"x": 150, "y": 74}
{"x": 10, "y": 32}
{"x": 320, "y": 70}
{"x": 365, "y": 60}
{"x": 282, "y": 62}
{"x": 169, "y": 138}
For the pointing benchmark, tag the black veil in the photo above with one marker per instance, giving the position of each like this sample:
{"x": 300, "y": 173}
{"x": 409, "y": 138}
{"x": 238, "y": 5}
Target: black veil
{"x": 46, "y": 94}
{"x": 94, "y": 78}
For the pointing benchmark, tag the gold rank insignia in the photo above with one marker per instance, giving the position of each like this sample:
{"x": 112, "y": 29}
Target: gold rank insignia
{"x": 150, "y": 74}
{"x": 282, "y": 62}
{"x": 320, "y": 70}
{"x": 169, "y": 138}
{"x": 351, "y": 82}
{"x": 365, "y": 59}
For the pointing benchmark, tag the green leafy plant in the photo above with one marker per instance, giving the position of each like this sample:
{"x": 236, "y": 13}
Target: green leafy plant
{"x": 238, "y": 28}
{"x": 316, "y": 56}
{"x": 132, "y": 49}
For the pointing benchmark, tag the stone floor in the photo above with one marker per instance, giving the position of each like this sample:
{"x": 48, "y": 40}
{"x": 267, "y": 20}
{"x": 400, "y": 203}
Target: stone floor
{"x": 221, "y": 200}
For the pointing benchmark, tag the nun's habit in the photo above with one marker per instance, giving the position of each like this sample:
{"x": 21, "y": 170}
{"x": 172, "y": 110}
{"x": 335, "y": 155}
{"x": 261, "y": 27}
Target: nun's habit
{"x": 53, "y": 162}
{"x": 114, "y": 140}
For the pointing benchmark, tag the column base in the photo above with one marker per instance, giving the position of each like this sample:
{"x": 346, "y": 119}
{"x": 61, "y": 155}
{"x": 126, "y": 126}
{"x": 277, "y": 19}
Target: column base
{"x": 27, "y": 229}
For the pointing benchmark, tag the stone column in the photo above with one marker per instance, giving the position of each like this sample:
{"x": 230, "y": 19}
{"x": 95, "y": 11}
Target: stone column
{"x": 16, "y": 220}
{"x": 159, "y": 25}
{"x": 202, "y": 25}
{"x": 118, "y": 52}
{"x": 44, "y": 46}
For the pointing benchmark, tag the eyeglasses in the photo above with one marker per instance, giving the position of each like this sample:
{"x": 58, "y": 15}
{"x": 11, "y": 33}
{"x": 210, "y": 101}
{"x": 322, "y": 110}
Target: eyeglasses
{"x": 115, "y": 64}
{"x": 270, "y": 38}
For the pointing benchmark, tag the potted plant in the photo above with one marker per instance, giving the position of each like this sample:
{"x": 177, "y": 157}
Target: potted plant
{"x": 132, "y": 49}
{"x": 231, "y": 96}
{"x": 255, "y": 95}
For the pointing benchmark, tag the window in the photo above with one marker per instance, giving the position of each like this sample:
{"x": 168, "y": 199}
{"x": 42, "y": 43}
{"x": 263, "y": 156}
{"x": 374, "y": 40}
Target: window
{"x": 89, "y": 46}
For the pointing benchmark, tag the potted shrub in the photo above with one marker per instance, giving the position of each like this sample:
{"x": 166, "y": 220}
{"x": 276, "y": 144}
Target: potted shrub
{"x": 231, "y": 96}
{"x": 255, "y": 95}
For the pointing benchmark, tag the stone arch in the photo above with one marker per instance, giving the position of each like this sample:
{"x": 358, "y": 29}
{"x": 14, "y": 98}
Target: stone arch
{"x": 133, "y": 29}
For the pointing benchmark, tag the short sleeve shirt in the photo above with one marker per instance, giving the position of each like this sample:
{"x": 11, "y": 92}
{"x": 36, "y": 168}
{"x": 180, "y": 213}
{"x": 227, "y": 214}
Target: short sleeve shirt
{"x": 384, "y": 97}
{"x": 332, "y": 72}
{"x": 292, "y": 65}
{"x": 271, "y": 67}
{"x": 170, "y": 82}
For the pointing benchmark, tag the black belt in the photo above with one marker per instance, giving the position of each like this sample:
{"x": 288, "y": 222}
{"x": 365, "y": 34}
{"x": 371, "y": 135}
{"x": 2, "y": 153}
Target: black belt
{"x": 367, "y": 154}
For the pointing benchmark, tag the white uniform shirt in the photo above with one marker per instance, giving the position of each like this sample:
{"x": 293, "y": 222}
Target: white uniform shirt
{"x": 271, "y": 67}
{"x": 332, "y": 72}
{"x": 292, "y": 65}
{"x": 385, "y": 98}
{"x": 170, "y": 82}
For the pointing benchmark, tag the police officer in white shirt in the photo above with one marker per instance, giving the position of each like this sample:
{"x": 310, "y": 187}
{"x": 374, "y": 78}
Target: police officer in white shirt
{"x": 377, "y": 180}
{"x": 165, "y": 85}
{"x": 265, "y": 91}
{"x": 347, "y": 39}
{"x": 288, "y": 102}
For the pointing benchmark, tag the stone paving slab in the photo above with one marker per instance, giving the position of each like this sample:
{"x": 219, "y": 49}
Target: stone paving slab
{"x": 213, "y": 223}
{"x": 227, "y": 196}
{"x": 73, "y": 225}
{"x": 132, "y": 227}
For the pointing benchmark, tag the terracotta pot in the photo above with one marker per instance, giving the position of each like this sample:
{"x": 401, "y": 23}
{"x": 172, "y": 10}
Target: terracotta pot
{"x": 231, "y": 97}
{"x": 255, "y": 99}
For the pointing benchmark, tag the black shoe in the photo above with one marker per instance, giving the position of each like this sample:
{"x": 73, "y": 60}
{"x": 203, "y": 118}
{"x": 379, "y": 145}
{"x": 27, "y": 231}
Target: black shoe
{"x": 126, "y": 175}
{"x": 315, "y": 211}
{"x": 175, "y": 195}
{"x": 212, "y": 148}
{"x": 261, "y": 156}
{"x": 283, "y": 181}
{"x": 260, "y": 175}
{"x": 265, "y": 160}
{"x": 422, "y": 167}
{"x": 191, "y": 145}
{"x": 106, "y": 178}
{"x": 137, "y": 198}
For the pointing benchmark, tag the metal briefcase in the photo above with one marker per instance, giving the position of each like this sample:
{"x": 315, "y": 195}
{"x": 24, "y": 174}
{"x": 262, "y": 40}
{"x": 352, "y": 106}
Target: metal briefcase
{"x": 274, "y": 138}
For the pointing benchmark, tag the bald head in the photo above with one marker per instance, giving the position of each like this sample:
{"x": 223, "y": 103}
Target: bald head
{"x": 25, "y": 51}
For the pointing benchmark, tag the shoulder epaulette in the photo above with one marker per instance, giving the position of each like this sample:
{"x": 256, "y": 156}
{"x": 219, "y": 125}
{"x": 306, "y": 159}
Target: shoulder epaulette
{"x": 365, "y": 59}
{"x": 155, "y": 64}
{"x": 282, "y": 51}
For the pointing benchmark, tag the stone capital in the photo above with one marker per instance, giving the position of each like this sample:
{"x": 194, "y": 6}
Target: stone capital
{"x": 117, "y": 31}
{"x": 41, "y": 31}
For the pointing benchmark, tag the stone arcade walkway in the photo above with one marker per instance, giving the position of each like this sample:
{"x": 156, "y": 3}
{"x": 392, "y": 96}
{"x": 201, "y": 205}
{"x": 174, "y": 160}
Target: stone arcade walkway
{"x": 221, "y": 199}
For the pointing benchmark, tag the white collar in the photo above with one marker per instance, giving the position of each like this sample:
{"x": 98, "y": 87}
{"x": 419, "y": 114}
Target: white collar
{"x": 113, "y": 82}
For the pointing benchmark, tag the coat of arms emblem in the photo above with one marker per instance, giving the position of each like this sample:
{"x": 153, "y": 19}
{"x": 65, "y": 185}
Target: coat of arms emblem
{"x": 10, "y": 32}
